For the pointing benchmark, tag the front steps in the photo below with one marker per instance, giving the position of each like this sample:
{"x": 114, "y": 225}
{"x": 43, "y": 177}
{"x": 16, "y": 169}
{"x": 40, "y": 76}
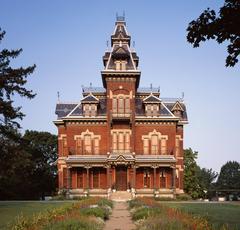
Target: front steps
{"x": 121, "y": 196}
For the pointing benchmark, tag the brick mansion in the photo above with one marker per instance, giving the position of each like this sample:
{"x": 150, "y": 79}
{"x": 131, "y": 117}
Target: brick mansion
{"x": 120, "y": 136}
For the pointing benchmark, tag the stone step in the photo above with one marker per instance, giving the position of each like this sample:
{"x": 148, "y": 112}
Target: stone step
{"x": 121, "y": 196}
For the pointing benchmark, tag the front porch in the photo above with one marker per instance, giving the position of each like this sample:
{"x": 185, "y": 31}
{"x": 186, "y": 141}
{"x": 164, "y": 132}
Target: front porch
{"x": 120, "y": 173}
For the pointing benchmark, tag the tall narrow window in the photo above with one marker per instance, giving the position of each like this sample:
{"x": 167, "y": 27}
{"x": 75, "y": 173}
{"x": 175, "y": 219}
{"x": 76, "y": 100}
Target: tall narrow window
{"x": 114, "y": 141}
{"x": 127, "y": 105}
{"x": 96, "y": 175}
{"x": 87, "y": 144}
{"x": 65, "y": 179}
{"x": 163, "y": 146}
{"x": 121, "y": 142}
{"x": 121, "y": 105}
{"x": 145, "y": 146}
{"x": 86, "y": 108}
{"x": 114, "y": 105}
{"x": 155, "y": 110}
{"x": 80, "y": 178}
{"x": 162, "y": 179}
{"x": 118, "y": 65}
{"x": 93, "y": 110}
{"x": 79, "y": 146}
{"x": 146, "y": 179}
{"x": 154, "y": 144}
{"x": 123, "y": 65}
{"x": 177, "y": 146}
{"x": 96, "y": 146}
{"x": 127, "y": 142}
{"x": 64, "y": 143}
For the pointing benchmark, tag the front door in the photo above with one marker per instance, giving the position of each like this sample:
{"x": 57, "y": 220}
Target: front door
{"x": 121, "y": 178}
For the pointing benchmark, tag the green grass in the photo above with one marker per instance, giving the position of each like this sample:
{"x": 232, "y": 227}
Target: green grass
{"x": 218, "y": 214}
{"x": 9, "y": 210}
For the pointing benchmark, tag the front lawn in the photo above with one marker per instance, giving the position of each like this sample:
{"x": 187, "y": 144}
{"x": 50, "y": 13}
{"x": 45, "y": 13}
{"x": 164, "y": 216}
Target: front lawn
{"x": 9, "y": 210}
{"x": 86, "y": 214}
{"x": 150, "y": 214}
{"x": 218, "y": 214}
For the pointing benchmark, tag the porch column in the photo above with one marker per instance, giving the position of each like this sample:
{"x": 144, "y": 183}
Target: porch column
{"x": 154, "y": 178}
{"x": 69, "y": 184}
{"x": 108, "y": 177}
{"x": 134, "y": 177}
{"x": 87, "y": 168}
{"x": 173, "y": 178}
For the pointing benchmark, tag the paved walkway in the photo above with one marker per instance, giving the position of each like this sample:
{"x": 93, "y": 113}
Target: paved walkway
{"x": 120, "y": 218}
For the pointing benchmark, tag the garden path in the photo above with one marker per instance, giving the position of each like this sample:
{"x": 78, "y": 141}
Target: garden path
{"x": 120, "y": 218}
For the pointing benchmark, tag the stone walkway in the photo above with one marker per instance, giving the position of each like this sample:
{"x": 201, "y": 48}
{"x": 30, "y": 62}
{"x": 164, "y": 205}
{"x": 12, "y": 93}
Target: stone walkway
{"x": 120, "y": 218}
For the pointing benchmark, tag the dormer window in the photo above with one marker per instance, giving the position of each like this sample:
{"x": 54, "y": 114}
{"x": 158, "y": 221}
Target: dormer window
{"x": 90, "y": 104}
{"x": 90, "y": 110}
{"x": 152, "y": 105}
{"x": 120, "y": 65}
{"x": 152, "y": 110}
{"x": 177, "y": 110}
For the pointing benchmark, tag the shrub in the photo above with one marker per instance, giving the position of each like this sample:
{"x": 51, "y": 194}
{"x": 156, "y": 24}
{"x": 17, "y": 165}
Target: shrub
{"x": 184, "y": 197}
{"x": 73, "y": 224}
{"x": 143, "y": 213}
{"x": 101, "y": 212}
{"x": 105, "y": 202}
{"x": 135, "y": 203}
{"x": 164, "y": 199}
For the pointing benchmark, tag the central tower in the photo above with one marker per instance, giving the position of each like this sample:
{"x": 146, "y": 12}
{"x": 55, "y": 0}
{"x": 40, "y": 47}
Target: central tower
{"x": 121, "y": 80}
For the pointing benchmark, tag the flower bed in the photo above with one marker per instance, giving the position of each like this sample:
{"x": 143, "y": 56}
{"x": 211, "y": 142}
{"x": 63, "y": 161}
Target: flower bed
{"x": 149, "y": 214}
{"x": 86, "y": 214}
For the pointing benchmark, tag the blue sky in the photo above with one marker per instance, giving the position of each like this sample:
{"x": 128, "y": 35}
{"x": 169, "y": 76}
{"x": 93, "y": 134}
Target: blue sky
{"x": 66, "y": 40}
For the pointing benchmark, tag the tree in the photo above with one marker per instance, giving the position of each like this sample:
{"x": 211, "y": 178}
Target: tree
{"x": 12, "y": 82}
{"x": 229, "y": 177}
{"x": 222, "y": 28}
{"x": 42, "y": 147}
{"x": 206, "y": 178}
{"x": 27, "y": 169}
{"x": 191, "y": 180}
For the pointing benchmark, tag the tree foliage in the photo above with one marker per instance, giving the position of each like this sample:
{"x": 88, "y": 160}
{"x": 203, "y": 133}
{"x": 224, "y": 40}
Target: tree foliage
{"x": 27, "y": 169}
{"x": 229, "y": 177}
{"x": 12, "y": 83}
{"x": 222, "y": 28}
{"x": 192, "y": 185}
{"x": 206, "y": 177}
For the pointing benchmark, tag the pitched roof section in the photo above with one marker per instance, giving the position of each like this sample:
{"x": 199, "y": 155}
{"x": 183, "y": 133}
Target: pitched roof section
{"x": 151, "y": 99}
{"x": 177, "y": 107}
{"x": 90, "y": 98}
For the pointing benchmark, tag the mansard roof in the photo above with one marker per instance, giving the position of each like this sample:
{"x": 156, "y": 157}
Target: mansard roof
{"x": 63, "y": 109}
{"x": 76, "y": 110}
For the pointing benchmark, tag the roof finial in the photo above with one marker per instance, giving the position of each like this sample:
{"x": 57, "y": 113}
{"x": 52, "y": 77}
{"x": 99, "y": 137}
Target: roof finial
{"x": 107, "y": 44}
{"x": 182, "y": 95}
{"x": 120, "y": 18}
{"x": 90, "y": 88}
{"x": 58, "y": 96}
{"x": 151, "y": 87}
{"x": 133, "y": 44}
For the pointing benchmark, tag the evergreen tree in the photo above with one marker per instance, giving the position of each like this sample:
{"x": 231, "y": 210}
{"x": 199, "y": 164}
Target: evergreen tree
{"x": 12, "y": 82}
{"x": 229, "y": 177}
